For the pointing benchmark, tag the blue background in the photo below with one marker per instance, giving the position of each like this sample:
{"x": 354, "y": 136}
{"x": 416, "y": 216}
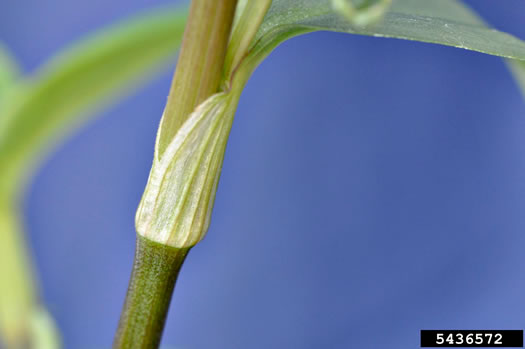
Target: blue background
{"x": 371, "y": 188}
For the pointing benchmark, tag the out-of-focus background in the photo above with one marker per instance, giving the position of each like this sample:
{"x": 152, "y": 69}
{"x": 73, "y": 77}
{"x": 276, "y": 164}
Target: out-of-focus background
{"x": 371, "y": 188}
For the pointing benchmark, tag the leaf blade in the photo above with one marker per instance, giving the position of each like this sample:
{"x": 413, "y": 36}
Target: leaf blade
{"x": 446, "y": 22}
{"x": 95, "y": 72}
{"x": 40, "y": 108}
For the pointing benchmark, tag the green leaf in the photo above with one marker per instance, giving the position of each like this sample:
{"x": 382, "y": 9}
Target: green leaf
{"x": 8, "y": 70}
{"x": 445, "y": 22}
{"x": 81, "y": 80}
{"x": 38, "y": 111}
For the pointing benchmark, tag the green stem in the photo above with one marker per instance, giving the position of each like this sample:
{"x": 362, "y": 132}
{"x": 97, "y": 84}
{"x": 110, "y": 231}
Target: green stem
{"x": 155, "y": 271}
{"x": 200, "y": 65}
{"x": 198, "y": 76}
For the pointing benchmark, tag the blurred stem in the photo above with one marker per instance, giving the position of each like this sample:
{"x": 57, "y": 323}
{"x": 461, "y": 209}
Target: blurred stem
{"x": 17, "y": 300}
{"x": 197, "y": 77}
{"x": 24, "y": 323}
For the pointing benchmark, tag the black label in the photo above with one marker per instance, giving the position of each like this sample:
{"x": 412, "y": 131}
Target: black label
{"x": 472, "y": 338}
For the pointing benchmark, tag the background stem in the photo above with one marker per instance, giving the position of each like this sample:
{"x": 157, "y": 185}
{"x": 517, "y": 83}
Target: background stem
{"x": 18, "y": 296}
{"x": 197, "y": 77}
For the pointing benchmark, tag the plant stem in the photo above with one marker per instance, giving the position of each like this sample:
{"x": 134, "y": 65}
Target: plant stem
{"x": 200, "y": 65}
{"x": 197, "y": 77}
{"x": 155, "y": 271}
